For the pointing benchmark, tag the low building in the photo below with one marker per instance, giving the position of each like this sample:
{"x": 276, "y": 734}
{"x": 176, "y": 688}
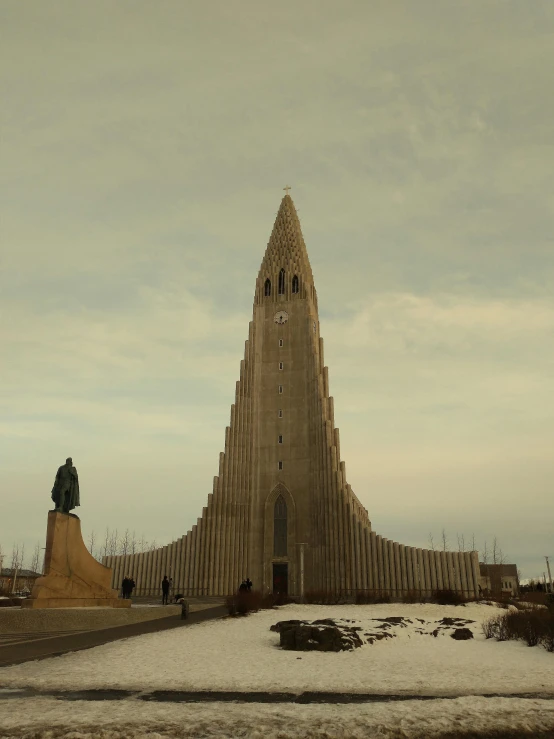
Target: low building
{"x": 498, "y": 580}
{"x": 18, "y": 581}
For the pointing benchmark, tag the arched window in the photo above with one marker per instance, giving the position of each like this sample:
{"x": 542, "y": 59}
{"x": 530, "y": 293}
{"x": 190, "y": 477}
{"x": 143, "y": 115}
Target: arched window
{"x": 295, "y": 284}
{"x": 282, "y": 282}
{"x": 267, "y": 287}
{"x": 280, "y": 528}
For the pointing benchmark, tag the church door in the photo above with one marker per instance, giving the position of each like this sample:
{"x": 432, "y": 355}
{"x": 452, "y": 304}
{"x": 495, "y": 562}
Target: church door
{"x": 280, "y": 578}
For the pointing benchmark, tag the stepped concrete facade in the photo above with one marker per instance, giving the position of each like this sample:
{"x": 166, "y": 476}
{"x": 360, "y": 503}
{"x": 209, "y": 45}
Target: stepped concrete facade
{"x": 282, "y": 512}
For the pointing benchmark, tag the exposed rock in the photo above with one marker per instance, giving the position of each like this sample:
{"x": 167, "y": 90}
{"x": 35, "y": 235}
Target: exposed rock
{"x": 462, "y": 634}
{"x": 305, "y": 637}
{"x": 286, "y": 624}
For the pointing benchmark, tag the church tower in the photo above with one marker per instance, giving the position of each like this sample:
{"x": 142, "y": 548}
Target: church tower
{"x": 281, "y": 511}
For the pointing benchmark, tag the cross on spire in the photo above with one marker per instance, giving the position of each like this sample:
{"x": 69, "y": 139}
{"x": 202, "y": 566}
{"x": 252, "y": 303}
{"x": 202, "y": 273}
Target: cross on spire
{"x": 287, "y": 188}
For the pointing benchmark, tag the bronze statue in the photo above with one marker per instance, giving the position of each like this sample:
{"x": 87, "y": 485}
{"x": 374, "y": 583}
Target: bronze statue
{"x": 65, "y": 492}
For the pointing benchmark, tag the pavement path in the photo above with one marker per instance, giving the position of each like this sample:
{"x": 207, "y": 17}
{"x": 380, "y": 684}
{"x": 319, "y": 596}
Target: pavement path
{"x": 14, "y": 650}
{"x": 213, "y": 696}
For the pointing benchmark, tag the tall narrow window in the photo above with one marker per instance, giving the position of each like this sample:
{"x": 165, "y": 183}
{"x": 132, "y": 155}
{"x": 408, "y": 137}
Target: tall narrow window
{"x": 280, "y": 342}
{"x": 282, "y": 282}
{"x": 280, "y": 413}
{"x": 267, "y": 287}
{"x": 280, "y": 465}
{"x": 280, "y": 388}
{"x": 295, "y": 284}
{"x": 280, "y": 365}
{"x": 280, "y": 439}
{"x": 280, "y": 528}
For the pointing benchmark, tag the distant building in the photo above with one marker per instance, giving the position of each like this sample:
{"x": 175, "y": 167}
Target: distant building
{"x": 498, "y": 579}
{"x": 24, "y": 580}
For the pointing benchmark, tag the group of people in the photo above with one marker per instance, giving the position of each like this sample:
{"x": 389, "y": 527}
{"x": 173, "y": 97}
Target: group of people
{"x": 127, "y": 586}
{"x": 245, "y": 586}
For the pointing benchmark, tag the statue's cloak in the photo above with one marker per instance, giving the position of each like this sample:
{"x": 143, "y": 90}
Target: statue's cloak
{"x": 67, "y": 481}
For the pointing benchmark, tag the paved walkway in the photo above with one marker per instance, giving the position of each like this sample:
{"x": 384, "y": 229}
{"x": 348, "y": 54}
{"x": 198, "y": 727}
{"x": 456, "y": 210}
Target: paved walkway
{"x": 213, "y": 696}
{"x": 41, "y": 646}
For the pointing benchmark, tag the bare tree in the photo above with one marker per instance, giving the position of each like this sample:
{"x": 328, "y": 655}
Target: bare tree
{"x": 461, "y": 542}
{"x": 113, "y": 543}
{"x": 133, "y": 546}
{"x": 125, "y": 544}
{"x": 106, "y": 545}
{"x": 473, "y": 547}
{"x": 35, "y": 559}
{"x": 444, "y": 541}
{"x": 498, "y": 557}
{"x": 152, "y": 545}
{"x": 143, "y": 544}
{"x": 485, "y": 555}
{"x": 18, "y": 556}
{"x": 91, "y": 541}
{"x": 431, "y": 542}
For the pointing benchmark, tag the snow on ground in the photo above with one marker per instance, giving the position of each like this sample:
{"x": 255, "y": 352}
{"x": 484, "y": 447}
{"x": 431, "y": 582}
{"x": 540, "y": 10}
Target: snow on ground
{"x": 242, "y": 654}
{"x": 46, "y": 718}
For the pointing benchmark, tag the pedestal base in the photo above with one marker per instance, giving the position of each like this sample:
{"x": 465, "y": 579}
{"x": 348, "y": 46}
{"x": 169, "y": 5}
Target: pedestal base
{"x": 73, "y": 578}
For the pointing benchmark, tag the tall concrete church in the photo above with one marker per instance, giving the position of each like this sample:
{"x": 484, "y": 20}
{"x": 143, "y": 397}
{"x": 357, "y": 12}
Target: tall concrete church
{"x": 281, "y": 511}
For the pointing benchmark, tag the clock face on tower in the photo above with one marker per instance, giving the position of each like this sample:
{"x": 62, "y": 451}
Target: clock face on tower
{"x": 281, "y": 317}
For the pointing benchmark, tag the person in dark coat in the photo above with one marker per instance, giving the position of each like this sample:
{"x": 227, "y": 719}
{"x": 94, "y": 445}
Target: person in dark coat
{"x": 165, "y": 590}
{"x": 243, "y": 587}
{"x": 248, "y": 582}
{"x": 124, "y": 587}
{"x": 130, "y": 587}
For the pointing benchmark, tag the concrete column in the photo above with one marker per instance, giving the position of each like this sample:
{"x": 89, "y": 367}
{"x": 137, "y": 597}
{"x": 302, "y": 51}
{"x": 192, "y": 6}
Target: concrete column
{"x": 397, "y": 569}
{"x": 428, "y": 574}
{"x": 445, "y": 572}
{"x": 152, "y": 576}
{"x": 438, "y": 568}
{"x": 463, "y": 573}
{"x": 232, "y": 461}
{"x": 371, "y": 559}
{"x": 380, "y": 563}
{"x": 474, "y": 557}
{"x": 206, "y": 570}
{"x": 459, "y": 580}
{"x": 409, "y": 569}
{"x": 386, "y": 565}
{"x": 187, "y": 563}
{"x": 421, "y": 572}
{"x": 404, "y": 568}
{"x": 364, "y": 556}
{"x": 201, "y": 548}
{"x": 140, "y": 571}
{"x": 193, "y": 558}
{"x": 432, "y": 569}
{"x": 451, "y": 578}
{"x": 418, "y": 577}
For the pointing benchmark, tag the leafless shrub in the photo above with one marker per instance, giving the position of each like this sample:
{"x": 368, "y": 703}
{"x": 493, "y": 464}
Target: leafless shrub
{"x": 532, "y": 626}
{"x": 448, "y": 598}
{"x": 490, "y": 627}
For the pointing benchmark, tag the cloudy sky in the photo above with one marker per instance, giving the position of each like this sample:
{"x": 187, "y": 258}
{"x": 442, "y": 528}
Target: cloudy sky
{"x": 144, "y": 148}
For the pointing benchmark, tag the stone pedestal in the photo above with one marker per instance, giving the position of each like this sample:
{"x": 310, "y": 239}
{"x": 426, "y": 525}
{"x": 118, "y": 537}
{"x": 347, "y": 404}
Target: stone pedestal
{"x": 72, "y": 577}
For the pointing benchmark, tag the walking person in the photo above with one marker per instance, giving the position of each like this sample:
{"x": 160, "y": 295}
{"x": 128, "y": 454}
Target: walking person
{"x": 165, "y": 590}
{"x": 124, "y": 586}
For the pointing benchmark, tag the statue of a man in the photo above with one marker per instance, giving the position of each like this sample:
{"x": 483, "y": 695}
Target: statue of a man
{"x": 65, "y": 492}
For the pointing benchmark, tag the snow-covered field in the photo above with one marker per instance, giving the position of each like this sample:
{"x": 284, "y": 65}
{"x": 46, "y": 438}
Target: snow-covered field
{"x": 242, "y": 654}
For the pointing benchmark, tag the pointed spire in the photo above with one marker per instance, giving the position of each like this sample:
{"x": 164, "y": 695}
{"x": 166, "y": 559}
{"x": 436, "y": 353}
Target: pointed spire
{"x": 286, "y": 250}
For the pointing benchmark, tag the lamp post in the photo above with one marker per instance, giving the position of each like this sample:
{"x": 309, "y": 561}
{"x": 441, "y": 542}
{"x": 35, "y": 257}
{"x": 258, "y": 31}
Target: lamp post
{"x": 549, "y": 574}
